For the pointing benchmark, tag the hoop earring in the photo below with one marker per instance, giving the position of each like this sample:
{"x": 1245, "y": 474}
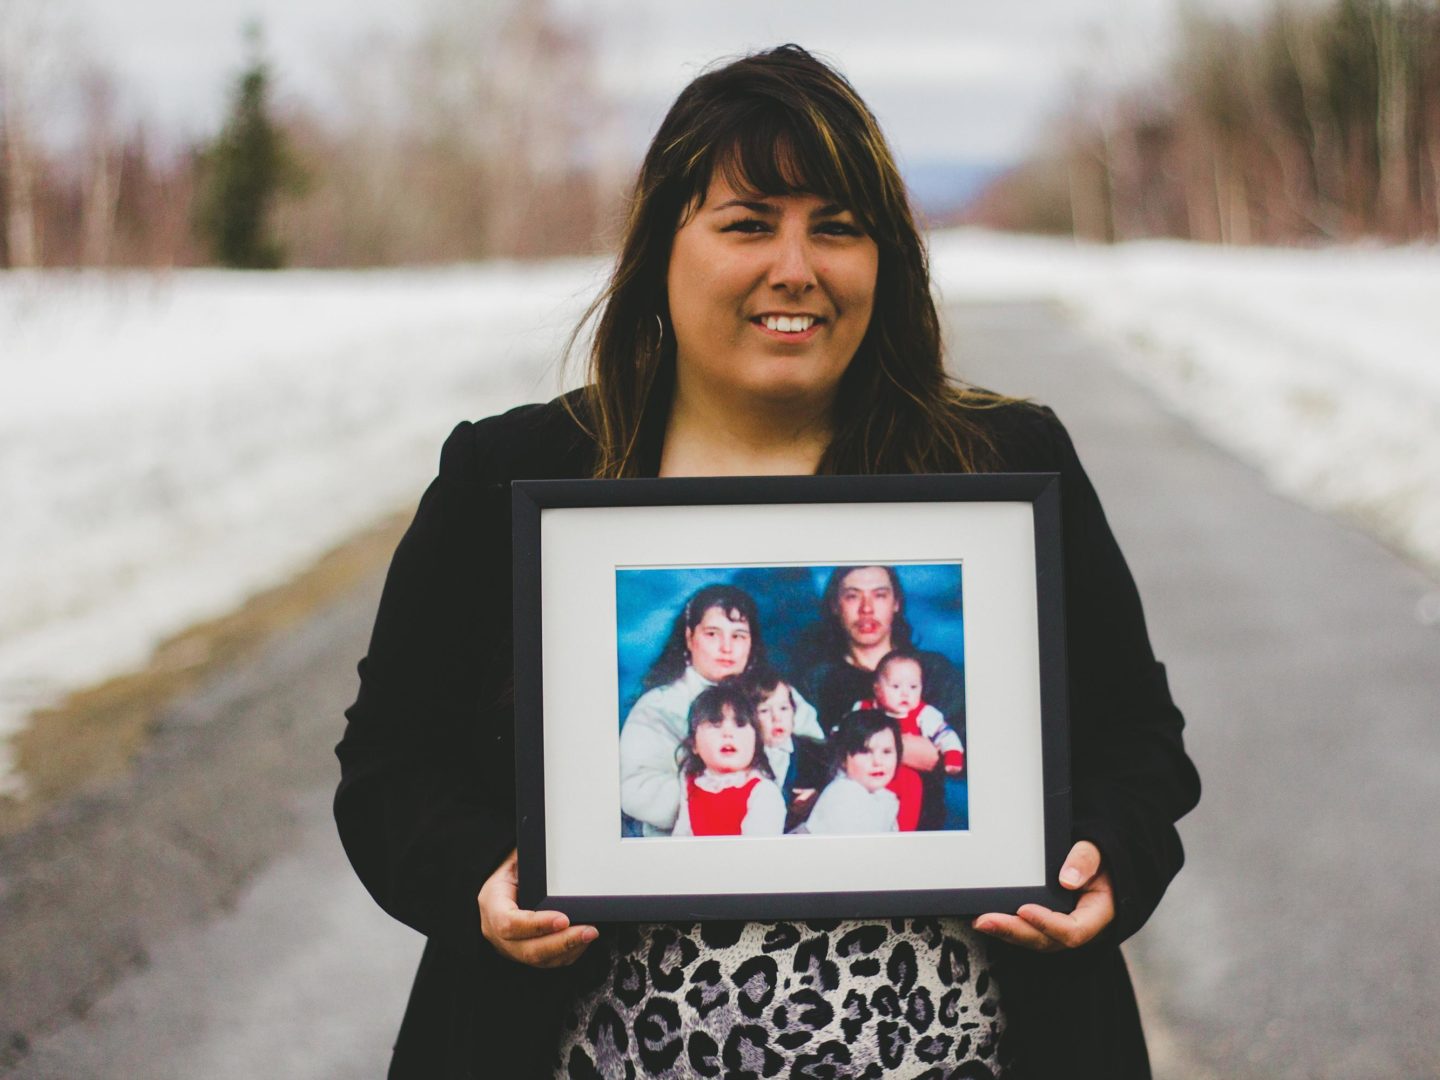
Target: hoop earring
{"x": 660, "y": 326}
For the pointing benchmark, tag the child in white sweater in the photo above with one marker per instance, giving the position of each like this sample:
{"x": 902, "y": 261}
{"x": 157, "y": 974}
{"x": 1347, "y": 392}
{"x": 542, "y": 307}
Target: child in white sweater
{"x": 867, "y": 750}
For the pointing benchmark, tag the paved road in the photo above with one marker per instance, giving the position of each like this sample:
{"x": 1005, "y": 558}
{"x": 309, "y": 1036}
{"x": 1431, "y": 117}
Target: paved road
{"x": 198, "y": 920}
{"x": 1303, "y": 938}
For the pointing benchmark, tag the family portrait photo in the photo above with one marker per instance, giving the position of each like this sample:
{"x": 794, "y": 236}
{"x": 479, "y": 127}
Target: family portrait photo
{"x": 791, "y": 700}
{"x": 789, "y": 696}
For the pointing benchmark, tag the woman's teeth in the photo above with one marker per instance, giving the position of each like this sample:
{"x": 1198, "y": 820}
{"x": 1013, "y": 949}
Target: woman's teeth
{"x": 789, "y": 324}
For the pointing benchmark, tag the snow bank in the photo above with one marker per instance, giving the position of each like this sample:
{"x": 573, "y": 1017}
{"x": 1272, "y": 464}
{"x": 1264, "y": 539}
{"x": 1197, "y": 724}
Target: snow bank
{"x": 1322, "y": 367}
{"x": 171, "y": 445}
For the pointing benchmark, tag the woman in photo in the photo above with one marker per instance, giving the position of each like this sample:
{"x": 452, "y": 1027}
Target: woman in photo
{"x": 770, "y": 312}
{"x": 727, "y": 787}
{"x": 716, "y": 636}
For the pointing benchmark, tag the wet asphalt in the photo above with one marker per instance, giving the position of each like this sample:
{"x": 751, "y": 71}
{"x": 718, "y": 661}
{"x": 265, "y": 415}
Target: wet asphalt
{"x": 1302, "y": 939}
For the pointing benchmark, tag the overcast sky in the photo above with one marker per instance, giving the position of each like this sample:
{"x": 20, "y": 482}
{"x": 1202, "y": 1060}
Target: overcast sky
{"x": 951, "y": 80}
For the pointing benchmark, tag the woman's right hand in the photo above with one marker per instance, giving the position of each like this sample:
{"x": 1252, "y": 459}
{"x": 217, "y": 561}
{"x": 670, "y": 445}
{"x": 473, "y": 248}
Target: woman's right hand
{"x": 543, "y": 939}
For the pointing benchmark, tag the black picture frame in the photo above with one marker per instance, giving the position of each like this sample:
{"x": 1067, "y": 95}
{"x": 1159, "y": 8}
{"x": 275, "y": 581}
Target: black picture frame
{"x": 545, "y": 873}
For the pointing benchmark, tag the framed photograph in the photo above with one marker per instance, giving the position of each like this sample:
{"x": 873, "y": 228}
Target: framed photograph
{"x": 788, "y": 697}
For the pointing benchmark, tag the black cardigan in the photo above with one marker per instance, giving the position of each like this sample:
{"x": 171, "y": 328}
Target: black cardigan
{"x": 426, "y": 802}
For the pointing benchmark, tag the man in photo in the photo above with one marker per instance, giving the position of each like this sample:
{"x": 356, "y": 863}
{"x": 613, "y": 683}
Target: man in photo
{"x": 863, "y": 619}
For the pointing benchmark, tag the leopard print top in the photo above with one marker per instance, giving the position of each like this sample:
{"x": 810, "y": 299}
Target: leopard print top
{"x": 903, "y": 998}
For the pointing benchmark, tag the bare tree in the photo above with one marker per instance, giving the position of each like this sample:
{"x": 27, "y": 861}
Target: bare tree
{"x": 1087, "y": 165}
{"x": 1392, "y": 114}
{"x": 465, "y": 141}
{"x": 102, "y": 168}
{"x": 505, "y": 86}
{"x": 480, "y": 136}
{"x": 22, "y": 56}
{"x": 1308, "y": 123}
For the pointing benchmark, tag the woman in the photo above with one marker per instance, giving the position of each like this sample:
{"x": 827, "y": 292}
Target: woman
{"x": 770, "y": 312}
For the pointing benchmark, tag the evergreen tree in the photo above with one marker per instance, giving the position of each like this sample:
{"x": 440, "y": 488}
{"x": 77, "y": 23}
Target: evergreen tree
{"x": 243, "y": 173}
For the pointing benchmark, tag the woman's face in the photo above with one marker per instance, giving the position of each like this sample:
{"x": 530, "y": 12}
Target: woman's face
{"x": 770, "y": 296}
{"x": 777, "y": 716}
{"x": 725, "y": 746}
{"x": 719, "y": 646}
{"x": 873, "y": 767}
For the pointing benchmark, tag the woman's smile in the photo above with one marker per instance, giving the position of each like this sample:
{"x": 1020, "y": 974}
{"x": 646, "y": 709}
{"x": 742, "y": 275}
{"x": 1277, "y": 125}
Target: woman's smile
{"x": 791, "y": 329}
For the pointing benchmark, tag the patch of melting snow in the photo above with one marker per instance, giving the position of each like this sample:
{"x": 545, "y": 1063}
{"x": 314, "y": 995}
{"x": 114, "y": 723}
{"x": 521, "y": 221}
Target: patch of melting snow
{"x": 1320, "y": 367}
{"x": 170, "y": 446}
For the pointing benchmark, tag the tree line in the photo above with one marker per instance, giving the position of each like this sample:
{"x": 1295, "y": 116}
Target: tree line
{"x": 481, "y": 135}
{"x": 1306, "y": 125}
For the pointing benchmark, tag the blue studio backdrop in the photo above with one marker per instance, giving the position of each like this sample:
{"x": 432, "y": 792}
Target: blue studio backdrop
{"x": 648, "y": 601}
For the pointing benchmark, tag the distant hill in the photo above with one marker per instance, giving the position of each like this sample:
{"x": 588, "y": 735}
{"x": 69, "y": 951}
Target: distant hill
{"x": 941, "y": 190}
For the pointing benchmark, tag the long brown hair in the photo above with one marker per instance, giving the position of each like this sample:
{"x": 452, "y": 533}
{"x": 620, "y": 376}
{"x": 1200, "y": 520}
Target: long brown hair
{"x": 781, "y": 122}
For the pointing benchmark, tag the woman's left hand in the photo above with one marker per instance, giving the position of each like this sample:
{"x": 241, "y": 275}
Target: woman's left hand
{"x": 1039, "y": 928}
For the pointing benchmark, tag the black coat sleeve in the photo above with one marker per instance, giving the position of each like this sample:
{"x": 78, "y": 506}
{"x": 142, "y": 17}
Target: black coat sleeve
{"x": 425, "y": 805}
{"x": 1131, "y": 778}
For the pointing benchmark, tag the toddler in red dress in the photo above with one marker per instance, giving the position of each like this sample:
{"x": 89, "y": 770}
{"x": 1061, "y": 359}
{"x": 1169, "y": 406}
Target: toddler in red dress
{"x": 726, "y": 785}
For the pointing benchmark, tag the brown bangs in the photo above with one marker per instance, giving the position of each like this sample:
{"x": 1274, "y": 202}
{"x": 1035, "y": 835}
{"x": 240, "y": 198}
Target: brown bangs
{"x": 777, "y": 140}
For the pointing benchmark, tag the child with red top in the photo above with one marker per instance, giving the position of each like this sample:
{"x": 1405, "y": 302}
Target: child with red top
{"x": 899, "y": 693}
{"x": 726, "y": 785}
{"x": 899, "y": 690}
